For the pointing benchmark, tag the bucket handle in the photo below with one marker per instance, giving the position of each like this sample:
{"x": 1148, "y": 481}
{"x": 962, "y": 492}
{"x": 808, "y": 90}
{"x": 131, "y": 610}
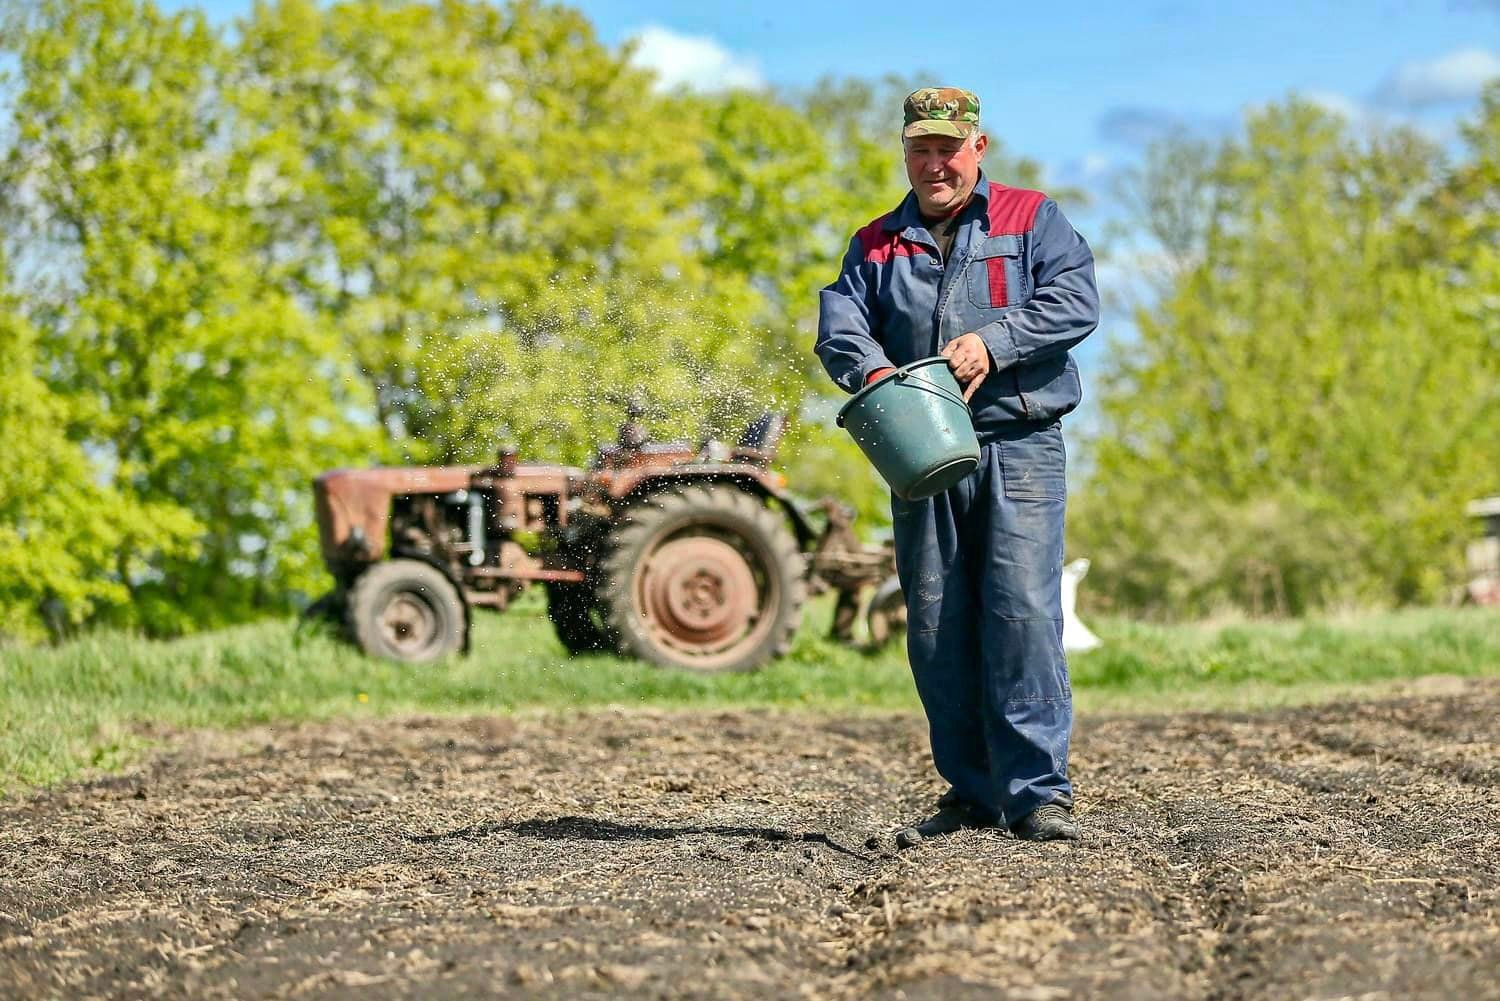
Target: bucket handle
{"x": 901, "y": 375}
{"x": 928, "y": 387}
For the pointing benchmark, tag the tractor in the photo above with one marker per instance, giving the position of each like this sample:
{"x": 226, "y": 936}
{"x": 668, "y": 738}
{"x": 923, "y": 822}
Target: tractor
{"x": 687, "y": 556}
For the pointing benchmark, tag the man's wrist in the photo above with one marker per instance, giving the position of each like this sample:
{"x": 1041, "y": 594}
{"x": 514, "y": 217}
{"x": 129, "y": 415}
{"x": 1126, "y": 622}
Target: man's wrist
{"x": 1000, "y": 344}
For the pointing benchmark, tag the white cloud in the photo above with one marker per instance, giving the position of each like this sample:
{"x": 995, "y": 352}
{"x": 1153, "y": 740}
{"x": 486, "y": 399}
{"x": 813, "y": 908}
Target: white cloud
{"x": 697, "y": 62}
{"x": 1091, "y": 168}
{"x": 1456, "y": 76}
{"x": 1365, "y": 117}
{"x": 1094, "y": 171}
{"x": 1338, "y": 104}
{"x": 1137, "y": 127}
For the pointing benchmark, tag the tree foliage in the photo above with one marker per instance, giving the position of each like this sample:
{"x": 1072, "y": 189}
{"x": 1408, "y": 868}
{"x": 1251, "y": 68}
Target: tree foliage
{"x": 183, "y": 370}
{"x": 66, "y": 540}
{"x": 1316, "y": 393}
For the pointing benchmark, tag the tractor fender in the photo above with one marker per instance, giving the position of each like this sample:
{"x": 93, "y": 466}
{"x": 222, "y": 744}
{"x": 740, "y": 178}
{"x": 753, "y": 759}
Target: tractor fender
{"x": 750, "y": 479}
{"x": 806, "y": 535}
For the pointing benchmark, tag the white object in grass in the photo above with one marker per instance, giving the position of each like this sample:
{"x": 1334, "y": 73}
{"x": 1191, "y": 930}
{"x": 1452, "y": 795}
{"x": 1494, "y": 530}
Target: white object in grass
{"x": 1076, "y": 636}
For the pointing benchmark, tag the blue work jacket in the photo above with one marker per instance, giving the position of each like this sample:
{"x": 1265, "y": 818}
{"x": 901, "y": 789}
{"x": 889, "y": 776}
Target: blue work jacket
{"x": 1018, "y": 275}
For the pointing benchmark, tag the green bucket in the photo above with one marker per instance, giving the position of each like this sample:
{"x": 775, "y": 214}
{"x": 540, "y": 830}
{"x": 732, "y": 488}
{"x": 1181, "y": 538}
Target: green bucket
{"x": 914, "y": 425}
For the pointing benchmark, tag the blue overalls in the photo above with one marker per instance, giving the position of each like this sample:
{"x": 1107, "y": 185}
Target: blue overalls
{"x": 981, "y": 564}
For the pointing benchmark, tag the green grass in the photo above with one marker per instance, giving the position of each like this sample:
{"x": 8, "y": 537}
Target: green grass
{"x": 84, "y": 705}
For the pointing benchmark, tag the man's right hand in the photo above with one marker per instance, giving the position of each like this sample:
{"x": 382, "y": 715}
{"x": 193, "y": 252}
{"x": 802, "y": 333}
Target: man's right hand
{"x": 970, "y": 361}
{"x": 879, "y": 373}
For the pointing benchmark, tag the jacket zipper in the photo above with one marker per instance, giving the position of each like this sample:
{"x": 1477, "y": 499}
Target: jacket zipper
{"x": 945, "y": 289}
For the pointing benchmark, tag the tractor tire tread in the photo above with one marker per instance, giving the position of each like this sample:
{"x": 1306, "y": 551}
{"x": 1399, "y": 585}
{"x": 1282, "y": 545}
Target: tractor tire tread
{"x": 653, "y": 514}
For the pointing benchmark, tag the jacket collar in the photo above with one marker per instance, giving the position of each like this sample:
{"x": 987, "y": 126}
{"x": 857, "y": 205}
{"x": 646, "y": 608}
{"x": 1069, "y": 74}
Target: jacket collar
{"x": 907, "y": 219}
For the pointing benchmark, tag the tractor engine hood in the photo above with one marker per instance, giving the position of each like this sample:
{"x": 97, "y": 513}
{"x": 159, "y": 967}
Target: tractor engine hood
{"x": 354, "y": 506}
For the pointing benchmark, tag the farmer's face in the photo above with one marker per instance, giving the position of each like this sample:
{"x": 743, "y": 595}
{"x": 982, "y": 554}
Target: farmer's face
{"x": 943, "y": 170}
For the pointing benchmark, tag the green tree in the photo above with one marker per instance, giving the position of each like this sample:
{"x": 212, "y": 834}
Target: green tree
{"x": 68, "y": 543}
{"x": 1308, "y": 405}
{"x": 198, "y": 387}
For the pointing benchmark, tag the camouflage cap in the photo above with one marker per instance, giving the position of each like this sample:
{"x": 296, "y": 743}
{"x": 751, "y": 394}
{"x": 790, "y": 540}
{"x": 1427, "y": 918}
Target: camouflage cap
{"x": 940, "y": 111}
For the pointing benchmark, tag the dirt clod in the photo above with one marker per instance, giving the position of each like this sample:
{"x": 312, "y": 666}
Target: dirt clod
{"x": 1340, "y": 851}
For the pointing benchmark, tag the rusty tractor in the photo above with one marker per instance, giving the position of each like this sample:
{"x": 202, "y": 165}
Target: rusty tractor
{"x": 691, "y": 557}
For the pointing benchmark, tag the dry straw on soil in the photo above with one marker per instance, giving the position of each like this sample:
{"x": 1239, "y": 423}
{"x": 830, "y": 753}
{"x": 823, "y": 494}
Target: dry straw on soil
{"x": 1343, "y": 850}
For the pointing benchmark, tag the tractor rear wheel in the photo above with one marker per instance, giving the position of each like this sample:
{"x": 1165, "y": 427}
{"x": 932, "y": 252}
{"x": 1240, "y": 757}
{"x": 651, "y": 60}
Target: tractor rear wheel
{"x": 406, "y": 610}
{"x": 702, "y": 577}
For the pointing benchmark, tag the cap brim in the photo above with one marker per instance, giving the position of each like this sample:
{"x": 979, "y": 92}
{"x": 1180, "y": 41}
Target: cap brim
{"x": 937, "y": 127}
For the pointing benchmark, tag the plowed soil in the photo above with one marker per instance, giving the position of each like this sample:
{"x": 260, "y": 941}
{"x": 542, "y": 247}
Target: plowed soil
{"x": 1337, "y": 851}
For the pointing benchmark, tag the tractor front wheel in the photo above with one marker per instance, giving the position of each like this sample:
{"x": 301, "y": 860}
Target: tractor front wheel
{"x": 406, "y": 610}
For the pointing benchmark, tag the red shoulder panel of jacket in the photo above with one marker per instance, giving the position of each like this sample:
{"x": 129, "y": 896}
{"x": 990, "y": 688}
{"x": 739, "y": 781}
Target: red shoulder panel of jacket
{"x": 880, "y": 245}
{"x": 1012, "y": 210}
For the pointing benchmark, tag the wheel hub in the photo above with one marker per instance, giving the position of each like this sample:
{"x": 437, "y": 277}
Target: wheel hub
{"x": 407, "y": 623}
{"x": 699, "y": 592}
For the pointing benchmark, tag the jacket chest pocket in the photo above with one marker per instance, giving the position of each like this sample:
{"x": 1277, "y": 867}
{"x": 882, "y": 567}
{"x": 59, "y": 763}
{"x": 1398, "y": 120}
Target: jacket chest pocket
{"x": 996, "y": 278}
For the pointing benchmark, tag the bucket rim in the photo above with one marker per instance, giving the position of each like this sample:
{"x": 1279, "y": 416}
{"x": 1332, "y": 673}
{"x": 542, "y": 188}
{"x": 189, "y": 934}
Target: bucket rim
{"x": 943, "y": 474}
{"x": 901, "y": 372}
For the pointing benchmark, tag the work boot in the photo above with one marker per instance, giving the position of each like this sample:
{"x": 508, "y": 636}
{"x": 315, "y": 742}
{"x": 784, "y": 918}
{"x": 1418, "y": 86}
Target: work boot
{"x": 1048, "y": 822}
{"x": 949, "y": 798}
{"x": 952, "y": 815}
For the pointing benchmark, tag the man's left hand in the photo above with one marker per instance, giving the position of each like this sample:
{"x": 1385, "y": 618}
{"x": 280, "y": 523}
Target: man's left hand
{"x": 970, "y": 361}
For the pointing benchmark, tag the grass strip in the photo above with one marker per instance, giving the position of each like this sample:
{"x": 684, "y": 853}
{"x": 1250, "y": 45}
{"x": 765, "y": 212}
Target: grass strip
{"x": 90, "y": 703}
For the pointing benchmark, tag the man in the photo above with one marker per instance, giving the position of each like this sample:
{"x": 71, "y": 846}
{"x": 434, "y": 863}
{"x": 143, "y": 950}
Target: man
{"x": 996, "y": 280}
